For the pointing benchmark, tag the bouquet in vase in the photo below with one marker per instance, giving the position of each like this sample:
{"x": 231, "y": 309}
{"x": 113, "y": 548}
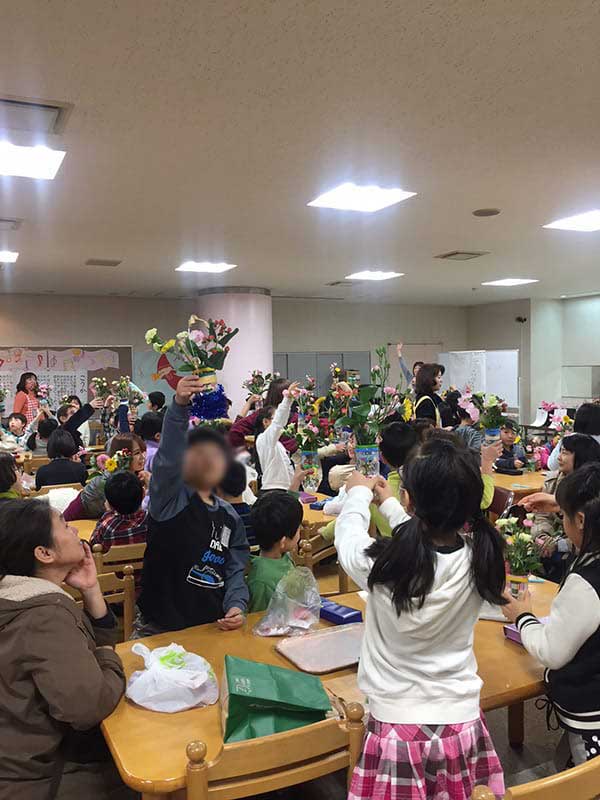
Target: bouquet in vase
{"x": 259, "y": 382}
{"x": 43, "y": 393}
{"x": 310, "y": 437}
{"x": 100, "y": 388}
{"x": 560, "y": 421}
{"x": 105, "y": 465}
{"x": 522, "y": 553}
{"x": 305, "y": 397}
{"x": 494, "y": 409}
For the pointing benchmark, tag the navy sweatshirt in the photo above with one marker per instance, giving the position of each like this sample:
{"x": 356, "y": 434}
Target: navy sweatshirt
{"x": 196, "y": 553}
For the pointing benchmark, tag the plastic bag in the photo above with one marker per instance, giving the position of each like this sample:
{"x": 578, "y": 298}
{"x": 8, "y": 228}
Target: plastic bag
{"x": 172, "y": 680}
{"x": 295, "y": 607}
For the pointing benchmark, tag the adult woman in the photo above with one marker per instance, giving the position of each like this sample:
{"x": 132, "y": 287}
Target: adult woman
{"x": 60, "y": 675}
{"x": 26, "y": 399}
{"x": 429, "y": 405}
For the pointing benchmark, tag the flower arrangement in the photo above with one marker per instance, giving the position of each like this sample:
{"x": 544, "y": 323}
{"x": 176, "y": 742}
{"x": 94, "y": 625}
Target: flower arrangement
{"x": 494, "y": 409}
{"x": 305, "y": 397}
{"x": 522, "y": 552}
{"x": 374, "y": 403}
{"x": 199, "y": 350}
{"x": 43, "y": 392}
{"x": 258, "y": 383}
{"x": 311, "y": 435}
{"x": 103, "y": 463}
{"x": 136, "y": 398}
{"x": 121, "y": 388}
{"x": 549, "y": 407}
{"x": 561, "y": 421}
{"x": 473, "y": 403}
{"x": 100, "y": 388}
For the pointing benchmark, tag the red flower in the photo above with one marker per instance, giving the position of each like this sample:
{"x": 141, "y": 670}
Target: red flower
{"x": 227, "y": 349}
{"x": 228, "y": 330}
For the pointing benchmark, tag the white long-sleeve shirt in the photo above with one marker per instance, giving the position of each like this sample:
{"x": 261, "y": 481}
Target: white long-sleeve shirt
{"x": 417, "y": 668}
{"x": 277, "y": 469}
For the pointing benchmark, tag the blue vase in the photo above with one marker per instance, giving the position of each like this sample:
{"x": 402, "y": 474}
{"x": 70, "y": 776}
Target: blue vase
{"x": 491, "y": 435}
{"x": 367, "y": 459}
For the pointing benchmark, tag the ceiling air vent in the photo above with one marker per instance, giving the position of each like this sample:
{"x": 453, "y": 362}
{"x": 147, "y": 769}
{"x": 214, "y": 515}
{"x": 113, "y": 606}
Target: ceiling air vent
{"x": 463, "y": 255}
{"x": 31, "y": 114}
{"x": 103, "y": 262}
{"x": 10, "y": 223}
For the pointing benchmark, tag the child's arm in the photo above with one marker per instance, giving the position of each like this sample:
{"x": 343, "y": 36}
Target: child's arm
{"x": 352, "y": 532}
{"x": 553, "y": 458}
{"x": 270, "y": 437}
{"x": 85, "y": 412}
{"x": 408, "y": 376}
{"x": 506, "y": 461}
{"x": 122, "y": 417}
{"x": 574, "y": 616}
{"x": 167, "y": 490}
{"x": 236, "y": 589}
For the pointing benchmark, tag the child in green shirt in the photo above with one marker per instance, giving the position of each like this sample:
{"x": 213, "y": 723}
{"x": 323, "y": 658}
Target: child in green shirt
{"x": 275, "y": 519}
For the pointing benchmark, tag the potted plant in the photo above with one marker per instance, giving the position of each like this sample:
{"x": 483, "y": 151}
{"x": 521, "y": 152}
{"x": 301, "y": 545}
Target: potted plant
{"x": 492, "y": 417}
{"x": 310, "y": 436}
{"x": 522, "y": 552}
{"x": 200, "y": 350}
{"x": 305, "y": 400}
{"x": 258, "y": 383}
{"x": 368, "y": 410}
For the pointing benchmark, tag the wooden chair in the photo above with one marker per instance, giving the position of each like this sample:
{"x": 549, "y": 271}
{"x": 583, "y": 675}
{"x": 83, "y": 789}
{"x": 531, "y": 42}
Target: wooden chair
{"x": 46, "y": 489}
{"x": 245, "y": 769}
{"x": 31, "y": 465}
{"x": 118, "y": 556}
{"x": 502, "y": 500}
{"x": 579, "y": 783}
{"x": 115, "y": 590}
{"x": 314, "y": 549}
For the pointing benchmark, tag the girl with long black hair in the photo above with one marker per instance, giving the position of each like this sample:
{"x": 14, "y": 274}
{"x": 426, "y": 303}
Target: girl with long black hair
{"x": 426, "y": 586}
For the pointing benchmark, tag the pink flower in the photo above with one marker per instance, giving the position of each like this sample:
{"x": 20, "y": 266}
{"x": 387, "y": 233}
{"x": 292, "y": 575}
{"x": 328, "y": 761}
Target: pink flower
{"x": 528, "y": 523}
{"x": 101, "y": 460}
{"x": 312, "y": 428}
{"x": 197, "y": 336}
{"x": 389, "y": 390}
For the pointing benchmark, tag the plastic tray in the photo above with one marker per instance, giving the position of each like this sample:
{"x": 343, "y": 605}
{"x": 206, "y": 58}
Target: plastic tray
{"x": 326, "y": 650}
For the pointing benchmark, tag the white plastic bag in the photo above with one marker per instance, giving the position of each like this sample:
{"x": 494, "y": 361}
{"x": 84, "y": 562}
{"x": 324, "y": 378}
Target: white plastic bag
{"x": 295, "y": 607}
{"x": 173, "y": 679}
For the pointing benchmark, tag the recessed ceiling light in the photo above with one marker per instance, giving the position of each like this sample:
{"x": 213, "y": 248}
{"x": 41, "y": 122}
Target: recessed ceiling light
{"x": 204, "y": 266}
{"x": 351, "y": 197}
{"x": 8, "y": 256}
{"x": 510, "y": 282}
{"x": 589, "y": 221}
{"x": 29, "y": 162}
{"x": 486, "y": 212}
{"x": 373, "y": 275}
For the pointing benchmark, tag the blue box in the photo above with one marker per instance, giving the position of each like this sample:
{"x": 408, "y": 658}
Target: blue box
{"x": 339, "y": 615}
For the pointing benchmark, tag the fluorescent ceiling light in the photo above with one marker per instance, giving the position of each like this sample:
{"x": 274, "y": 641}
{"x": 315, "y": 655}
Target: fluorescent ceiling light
{"x": 8, "y": 256}
{"x": 29, "y": 162}
{"x": 373, "y": 275}
{"x": 350, "y": 197}
{"x": 510, "y": 282}
{"x": 204, "y": 266}
{"x": 589, "y": 221}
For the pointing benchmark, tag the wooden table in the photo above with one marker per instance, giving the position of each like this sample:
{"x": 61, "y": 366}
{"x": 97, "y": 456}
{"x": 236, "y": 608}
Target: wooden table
{"x": 313, "y": 517}
{"x": 149, "y": 748}
{"x": 521, "y": 485}
{"x": 85, "y": 527}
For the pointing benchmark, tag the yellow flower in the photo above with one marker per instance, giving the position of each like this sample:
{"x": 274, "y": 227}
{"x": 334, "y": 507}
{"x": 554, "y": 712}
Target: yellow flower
{"x": 407, "y": 409}
{"x": 517, "y": 440}
{"x": 110, "y": 465}
{"x": 169, "y": 345}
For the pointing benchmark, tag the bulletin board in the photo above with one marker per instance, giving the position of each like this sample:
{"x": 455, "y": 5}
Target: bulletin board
{"x": 68, "y": 369}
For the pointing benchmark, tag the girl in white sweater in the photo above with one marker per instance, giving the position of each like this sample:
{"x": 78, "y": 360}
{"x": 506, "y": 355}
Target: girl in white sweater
{"x": 426, "y": 735}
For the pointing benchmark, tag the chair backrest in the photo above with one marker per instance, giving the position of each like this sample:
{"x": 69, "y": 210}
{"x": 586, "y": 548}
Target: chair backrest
{"x": 115, "y": 590}
{"x": 579, "y": 783}
{"x": 118, "y": 556}
{"x": 502, "y": 500}
{"x": 244, "y": 769}
{"x": 46, "y": 489}
{"x": 31, "y": 465}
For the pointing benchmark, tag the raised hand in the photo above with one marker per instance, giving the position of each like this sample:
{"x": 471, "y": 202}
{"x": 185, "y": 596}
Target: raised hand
{"x": 186, "y": 388}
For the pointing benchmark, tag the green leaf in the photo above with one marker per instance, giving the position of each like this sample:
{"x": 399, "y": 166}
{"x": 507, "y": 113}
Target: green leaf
{"x": 228, "y": 337}
{"x": 186, "y": 368}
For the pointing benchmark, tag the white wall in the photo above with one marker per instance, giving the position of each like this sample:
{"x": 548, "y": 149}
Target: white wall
{"x": 581, "y": 331}
{"x": 318, "y": 325}
{"x": 493, "y": 327}
{"x": 546, "y": 351}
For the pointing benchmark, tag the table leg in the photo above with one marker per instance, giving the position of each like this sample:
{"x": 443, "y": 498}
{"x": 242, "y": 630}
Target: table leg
{"x": 516, "y": 724}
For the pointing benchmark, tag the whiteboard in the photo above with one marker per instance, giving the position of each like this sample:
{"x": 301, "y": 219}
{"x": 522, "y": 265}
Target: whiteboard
{"x": 492, "y": 371}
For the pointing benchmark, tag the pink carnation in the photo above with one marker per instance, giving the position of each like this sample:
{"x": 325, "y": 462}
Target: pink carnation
{"x": 528, "y": 523}
{"x": 389, "y": 390}
{"x": 197, "y": 336}
{"x": 312, "y": 428}
{"x": 101, "y": 460}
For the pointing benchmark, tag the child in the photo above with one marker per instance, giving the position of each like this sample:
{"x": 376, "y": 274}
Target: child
{"x": 38, "y": 440}
{"x": 90, "y": 502}
{"x": 426, "y": 587}
{"x": 18, "y": 432}
{"x": 124, "y": 521}
{"x": 587, "y": 420}
{"x": 513, "y": 455}
{"x": 397, "y": 441}
{"x": 10, "y": 478}
{"x": 65, "y": 465}
{"x": 71, "y": 419}
{"x": 569, "y": 642}
{"x": 26, "y": 398}
{"x": 150, "y": 429}
{"x": 197, "y": 549}
{"x": 231, "y": 490}
{"x": 57, "y": 660}
{"x": 576, "y": 450}
{"x": 245, "y": 426}
{"x": 471, "y": 436}
{"x": 276, "y": 518}
{"x": 156, "y": 403}
{"x": 274, "y": 465}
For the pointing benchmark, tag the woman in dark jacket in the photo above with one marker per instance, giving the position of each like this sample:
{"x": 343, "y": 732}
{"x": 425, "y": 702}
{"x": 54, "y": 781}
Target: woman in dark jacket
{"x": 429, "y": 405}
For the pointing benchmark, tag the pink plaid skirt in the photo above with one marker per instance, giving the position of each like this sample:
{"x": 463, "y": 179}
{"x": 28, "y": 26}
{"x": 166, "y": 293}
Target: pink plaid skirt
{"x": 426, "y": 762}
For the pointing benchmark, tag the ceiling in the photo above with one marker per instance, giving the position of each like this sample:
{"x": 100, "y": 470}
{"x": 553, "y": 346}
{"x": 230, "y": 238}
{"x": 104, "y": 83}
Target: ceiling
{"x": 201, "y": 128}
